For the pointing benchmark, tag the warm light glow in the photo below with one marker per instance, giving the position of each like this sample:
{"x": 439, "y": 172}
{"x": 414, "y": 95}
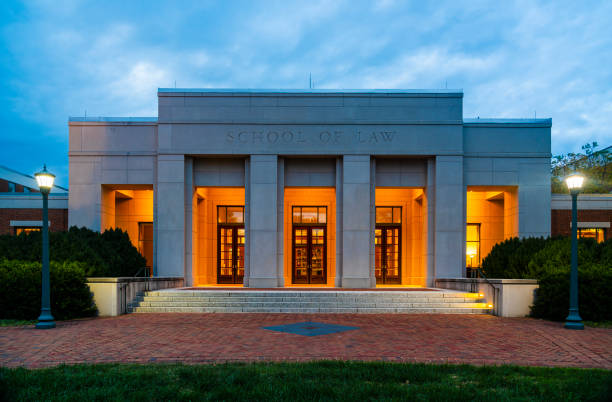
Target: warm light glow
{"x": 471, "y": 250}
{"x": 574, "y": 181}
{"x": 44, "y": 179}
{"x": 490, "y": 306}
{"x": 480, "y": 294}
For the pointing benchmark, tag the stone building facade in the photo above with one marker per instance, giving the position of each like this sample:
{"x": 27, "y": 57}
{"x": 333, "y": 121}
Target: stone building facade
{"x": 277, "y": 188}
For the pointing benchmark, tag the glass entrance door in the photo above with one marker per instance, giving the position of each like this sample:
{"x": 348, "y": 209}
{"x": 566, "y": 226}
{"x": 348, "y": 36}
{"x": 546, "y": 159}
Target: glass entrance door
{"x": 309, "y": 254}
{"x": 387, "y": 239}
{"x": 230, "y": 254}
{"x": 230, "y": 244}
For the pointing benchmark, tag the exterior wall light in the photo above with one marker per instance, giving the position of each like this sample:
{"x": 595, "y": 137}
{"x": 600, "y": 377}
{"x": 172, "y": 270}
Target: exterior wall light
{"x": 45, "y": 183}
{"x": 573, "y": 320}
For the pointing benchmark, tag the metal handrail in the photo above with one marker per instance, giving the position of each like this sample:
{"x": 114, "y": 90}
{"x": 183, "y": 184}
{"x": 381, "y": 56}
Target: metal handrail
{"x": 495, "y": 288}
{"x": 141, "y": 269}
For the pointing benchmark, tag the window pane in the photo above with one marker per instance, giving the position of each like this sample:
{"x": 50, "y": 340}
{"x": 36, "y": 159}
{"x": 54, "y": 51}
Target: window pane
{"x": 472, "y": 254}
{"x": 397, "y": 215}
{"x": 235, "y": 214}
{"x": 598, "y": 234}
{"x": 471, "y": 232}
{"x": 384, "y": 215}
{"x": 221, "y": 214}
{"x": 19, "y": 230}
{"x": 323, "y": 215}
{"x": 309, "y": 215}
{"x": 297, "y": 215}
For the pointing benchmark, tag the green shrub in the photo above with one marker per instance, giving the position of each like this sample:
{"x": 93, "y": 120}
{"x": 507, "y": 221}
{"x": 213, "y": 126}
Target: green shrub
{"x": 551, "y": 266}
{"x": 105, "y": 254}
{"x": 510, "y": 258}
{"x": 556, "y": 256}
{"x": 20, "y": 290}
{"x": 548, "y": 260}
{"x": 594, "y": 289}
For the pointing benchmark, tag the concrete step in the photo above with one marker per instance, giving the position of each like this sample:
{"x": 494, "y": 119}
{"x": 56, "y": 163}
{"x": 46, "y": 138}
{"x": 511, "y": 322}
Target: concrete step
{"x": 322, "y": 299}
{"x": 250, "y": 293}
{"x": 310, "y": 310}
{"x": 214, "y": 301}
{"x": 308, "y": 305}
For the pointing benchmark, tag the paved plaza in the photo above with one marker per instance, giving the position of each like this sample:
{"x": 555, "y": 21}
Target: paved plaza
{"x": 211, "y": 338}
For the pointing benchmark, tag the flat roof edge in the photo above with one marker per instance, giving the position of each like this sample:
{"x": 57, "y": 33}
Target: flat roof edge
{"x": 110, "y": 119}
{"x": 316, "y": 92}
{"x": 508, "y": 122}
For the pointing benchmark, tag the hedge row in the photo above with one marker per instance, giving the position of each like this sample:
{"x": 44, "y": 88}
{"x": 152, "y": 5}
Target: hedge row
{"x": 104, "y": 254}
{"x": 549, "y": 260}
{"x": 594, "y": 290}
{"x": 20, "y": 290}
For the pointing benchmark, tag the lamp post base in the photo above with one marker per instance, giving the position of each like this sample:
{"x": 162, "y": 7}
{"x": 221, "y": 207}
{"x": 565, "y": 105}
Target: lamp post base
{"x": 574, "y": 325}
{"x": 573, "y": 320}
{"x": 45, "y": 320}
{"x": 45, "y": 324}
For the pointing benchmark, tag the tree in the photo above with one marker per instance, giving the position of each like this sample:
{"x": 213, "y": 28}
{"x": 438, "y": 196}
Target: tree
{"x": 595, "y": 164}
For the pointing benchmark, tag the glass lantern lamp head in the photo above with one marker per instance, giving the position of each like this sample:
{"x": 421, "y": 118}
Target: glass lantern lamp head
{"x": 45, "y": 180}
{"x": 574, "y": 182}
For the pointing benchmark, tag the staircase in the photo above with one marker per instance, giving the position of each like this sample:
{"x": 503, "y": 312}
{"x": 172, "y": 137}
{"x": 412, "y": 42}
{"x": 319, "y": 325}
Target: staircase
{"x": 319, "y": 301}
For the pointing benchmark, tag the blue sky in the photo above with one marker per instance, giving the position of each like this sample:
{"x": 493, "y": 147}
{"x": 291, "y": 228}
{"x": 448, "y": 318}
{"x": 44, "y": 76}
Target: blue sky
{"x": 512, "y": 59}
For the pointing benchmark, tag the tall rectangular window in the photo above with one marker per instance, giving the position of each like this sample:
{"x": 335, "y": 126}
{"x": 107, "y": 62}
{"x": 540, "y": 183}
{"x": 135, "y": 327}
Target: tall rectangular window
{"x": 472, "y": 246}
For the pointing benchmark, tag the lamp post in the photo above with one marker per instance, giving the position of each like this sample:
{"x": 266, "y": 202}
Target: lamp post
{"x": 45, "y": 183}
{"x": 573, "y": 320}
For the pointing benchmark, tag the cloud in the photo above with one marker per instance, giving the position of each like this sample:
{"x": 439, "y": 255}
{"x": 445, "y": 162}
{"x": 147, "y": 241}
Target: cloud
{"x": 511, "y": 59}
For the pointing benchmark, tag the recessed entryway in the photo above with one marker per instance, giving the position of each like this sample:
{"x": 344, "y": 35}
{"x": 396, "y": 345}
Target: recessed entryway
{"x": 309, "y": 262}
{"x": 218, "y": 236}
{"x": 310, "y": 236}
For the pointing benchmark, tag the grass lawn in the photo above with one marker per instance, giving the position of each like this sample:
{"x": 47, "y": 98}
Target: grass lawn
{"x": 327, "y": 380}
{"x": 598, "y": 324}
{"x": 16, "y": 323}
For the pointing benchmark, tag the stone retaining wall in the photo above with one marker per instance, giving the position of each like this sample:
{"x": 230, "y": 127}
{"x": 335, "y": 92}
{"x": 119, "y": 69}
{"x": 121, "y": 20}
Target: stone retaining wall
{"x": 113, "y": 295}
{"x": 510, "y": 297}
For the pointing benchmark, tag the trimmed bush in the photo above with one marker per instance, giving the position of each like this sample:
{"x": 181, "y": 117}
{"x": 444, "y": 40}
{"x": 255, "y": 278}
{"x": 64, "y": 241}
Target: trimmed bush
{"x": 510, "y": 258}
{"x": 20, "y": 290}
{"x": 548, "y": 261}
{"x": 556, "y": 256}
{"x": 104, "y": 254}
{"x": 594, "y": 289}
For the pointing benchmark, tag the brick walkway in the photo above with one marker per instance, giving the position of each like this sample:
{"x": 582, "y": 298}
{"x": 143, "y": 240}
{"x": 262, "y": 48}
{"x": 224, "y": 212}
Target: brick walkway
{"x": 205, "y": 338}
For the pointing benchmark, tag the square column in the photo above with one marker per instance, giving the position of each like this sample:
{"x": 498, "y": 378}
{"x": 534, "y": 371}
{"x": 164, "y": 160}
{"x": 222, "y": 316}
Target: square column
{"x": 534, "y": 198}
{"x": 449, "y": 221}
{"x": 85, "y": 195}
{"x": 357, "y": 235}
{"x": 189, "y": 229}
{"x": 339, "y": 230}
{"x": 262, "y": 224}
{"x": 170, "y": 228}
{"x": 280, "y": 214}
{"x": 430, "y": 196}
